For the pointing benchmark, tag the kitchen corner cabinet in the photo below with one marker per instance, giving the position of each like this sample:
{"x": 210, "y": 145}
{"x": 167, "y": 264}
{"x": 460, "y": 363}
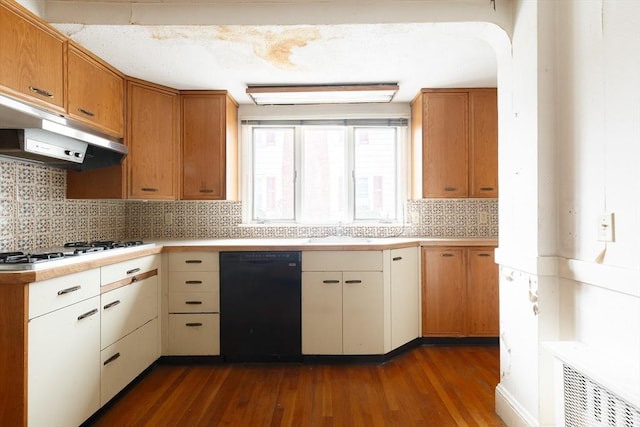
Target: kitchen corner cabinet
{"x": 348, "y": 301}
{"x": 32, "y": 59}
{"x": 153, "y": 139}
{"x": 194, "y": 304}
{"x": 95, "y": 92}
{"x": 457, "y": 131}
{"x": 459, "y": 292}
{"x": 209, "y": 145}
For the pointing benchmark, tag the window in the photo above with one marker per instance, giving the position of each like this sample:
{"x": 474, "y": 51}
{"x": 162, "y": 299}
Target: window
{"x": 321, "y": 173}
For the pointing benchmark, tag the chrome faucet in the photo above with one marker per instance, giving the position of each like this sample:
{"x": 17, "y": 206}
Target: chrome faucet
{"x": 339, "y": 229}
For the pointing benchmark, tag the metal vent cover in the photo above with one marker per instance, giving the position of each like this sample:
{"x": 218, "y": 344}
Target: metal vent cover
{"x": 587, "y": 404}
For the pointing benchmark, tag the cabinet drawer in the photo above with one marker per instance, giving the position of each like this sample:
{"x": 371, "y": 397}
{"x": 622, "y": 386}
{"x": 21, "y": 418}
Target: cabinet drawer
{"x": 124, "y": 360}
{"x": 194, "y": 302}
{"x": 53, "y": 294}
{"x": 127, "y": 308}
{"x": 342, "y": 261}
{"x": 194, "y": 334}
{"x": 194, "y": 261}
{"x": 198, "y": 281}
{"x": 122, "y": 270}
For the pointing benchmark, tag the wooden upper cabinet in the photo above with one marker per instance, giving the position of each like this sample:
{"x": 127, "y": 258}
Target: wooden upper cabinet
{"x": 483, "y": 143}
{"x": 209, "y": 145}
{"x": 95, "y": 92}
{"x": 32, "y": 59}
{"x": 445, "y": 147}
{"x": 152, "y": 137}
{"x": 456, "y": 133}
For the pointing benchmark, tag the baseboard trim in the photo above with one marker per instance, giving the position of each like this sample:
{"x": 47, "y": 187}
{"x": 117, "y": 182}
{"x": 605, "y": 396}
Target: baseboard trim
{"x": 483, "y": 341}
{"x": 510, "y": 410}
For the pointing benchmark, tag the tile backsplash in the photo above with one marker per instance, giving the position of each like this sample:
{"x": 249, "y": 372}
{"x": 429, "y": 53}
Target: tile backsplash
{"x": 34, "y": 213}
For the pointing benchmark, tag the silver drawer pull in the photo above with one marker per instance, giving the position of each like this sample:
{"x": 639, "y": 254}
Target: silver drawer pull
{"x": 111, "y": 304}
{"x": 397, "y": 258}
{"x": 41, "y": 92}
{"x": 88, "y": 314}
{"x": 135, "y": 270}
{"x": 69, "y": 290}
{"x": 353, "y": 281}
{"x": 193, "y": 261}
{"x": 111, "y": 359}
{"x": 192, "y": 324}
{"x": 193, "y": 282}
{"x": 193, "y": 302}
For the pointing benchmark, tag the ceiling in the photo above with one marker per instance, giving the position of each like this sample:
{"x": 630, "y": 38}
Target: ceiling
{"x": 415, "y": 55}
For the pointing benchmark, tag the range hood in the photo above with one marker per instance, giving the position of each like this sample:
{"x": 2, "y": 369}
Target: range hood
{"x": 32, "y": 134}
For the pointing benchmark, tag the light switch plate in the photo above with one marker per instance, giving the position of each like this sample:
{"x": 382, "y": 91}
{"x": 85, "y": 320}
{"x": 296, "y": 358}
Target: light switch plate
{"x": 605, "y": 227}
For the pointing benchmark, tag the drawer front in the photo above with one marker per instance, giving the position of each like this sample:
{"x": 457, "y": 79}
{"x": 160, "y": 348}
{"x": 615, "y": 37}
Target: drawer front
{"x": 194, "y": 261}
{"x": 127, "y": 308}
{"x": 194, "y": 334}
{"x": 53, "y": 294}
{"x": 123, "y": 270}
{"x": 124, "y": 360}
{"x": 194, "y": 302}
{"x": 342, "y": 261}
{"x": 198, "y": 281}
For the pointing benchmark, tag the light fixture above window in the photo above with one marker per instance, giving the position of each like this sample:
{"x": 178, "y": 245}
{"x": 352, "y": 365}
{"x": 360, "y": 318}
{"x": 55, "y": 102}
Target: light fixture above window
{"x": 322, "y": 94}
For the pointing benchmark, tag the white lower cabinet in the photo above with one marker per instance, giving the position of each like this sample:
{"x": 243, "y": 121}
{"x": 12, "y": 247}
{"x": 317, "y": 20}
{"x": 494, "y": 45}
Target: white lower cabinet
{"x": 125, "y": 359}
{"x": 363, "y": 313}
{"x": 64, "y": 369}
{"x": 193, "y": 299}
{"x": 194, "y": 334}
{"x": 321, "y": 312}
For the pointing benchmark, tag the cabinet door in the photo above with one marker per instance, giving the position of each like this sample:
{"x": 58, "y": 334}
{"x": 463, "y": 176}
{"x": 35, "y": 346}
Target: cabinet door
{"x": 96, "y": 93}
{"x": 31, "y": 59}
{"x": 64, "y": 365}
{"x": 445, "y": 144}
{"x": 483, "y": 143}
{"x": 443, "y": 291}
{"x": 152, "y": 139}
{"x": 194, "y": 334}
{"x": 321, "y": 313}
{"x": 203, "y": 147}
{"x": 482, "y": 293}
{"x": 405, "y": 296}
{"x": 362, "y": 313}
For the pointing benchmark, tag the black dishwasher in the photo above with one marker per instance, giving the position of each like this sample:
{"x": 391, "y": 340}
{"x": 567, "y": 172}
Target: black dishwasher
{"x": 260, "y": 294}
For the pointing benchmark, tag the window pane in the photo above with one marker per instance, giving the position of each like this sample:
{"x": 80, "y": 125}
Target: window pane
{"x": 324, "y": 196}
{"x": 273, "y": 173}
{"x": 375, "y": 173}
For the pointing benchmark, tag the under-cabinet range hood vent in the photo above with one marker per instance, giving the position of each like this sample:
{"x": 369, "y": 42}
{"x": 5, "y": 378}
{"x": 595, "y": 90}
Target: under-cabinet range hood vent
{"x": 32, "y": 134}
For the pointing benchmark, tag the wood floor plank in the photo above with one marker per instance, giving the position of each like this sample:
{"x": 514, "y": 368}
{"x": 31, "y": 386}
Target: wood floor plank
{"x": 427, "y": 386}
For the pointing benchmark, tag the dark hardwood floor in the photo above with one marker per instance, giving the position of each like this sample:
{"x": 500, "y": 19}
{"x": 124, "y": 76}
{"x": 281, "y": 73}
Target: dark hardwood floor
{"x": 427, "y": 386}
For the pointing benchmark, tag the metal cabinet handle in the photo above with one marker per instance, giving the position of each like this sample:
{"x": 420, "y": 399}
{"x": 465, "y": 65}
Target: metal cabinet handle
{"x": 206, "y": 190}
{"x": 135, "y": 270}
{"x": 484, "y": 254}
{"x": 69, "y": 290}
{"x": 450, "y": 188}
{"x": 86, "y": 112}
{"x": 191, "y": 324}
{"x": 193, "y": 282}
{"x": 149, "y": 189}
{"x": 111, "y": 359}
{"x": 193, "y": 261}
{"x": 193, "y": 302}
{"x": 111, "y": 304}
{"x": 446, "y": 254}
{"x": 353, "y": 281}
{"x": 41, "y": 92}
{"x": 486, "y": 188}
{"x": 331, "y": 281}
{"x": 397, "y": 258}
{"x": 88, "y": 314}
